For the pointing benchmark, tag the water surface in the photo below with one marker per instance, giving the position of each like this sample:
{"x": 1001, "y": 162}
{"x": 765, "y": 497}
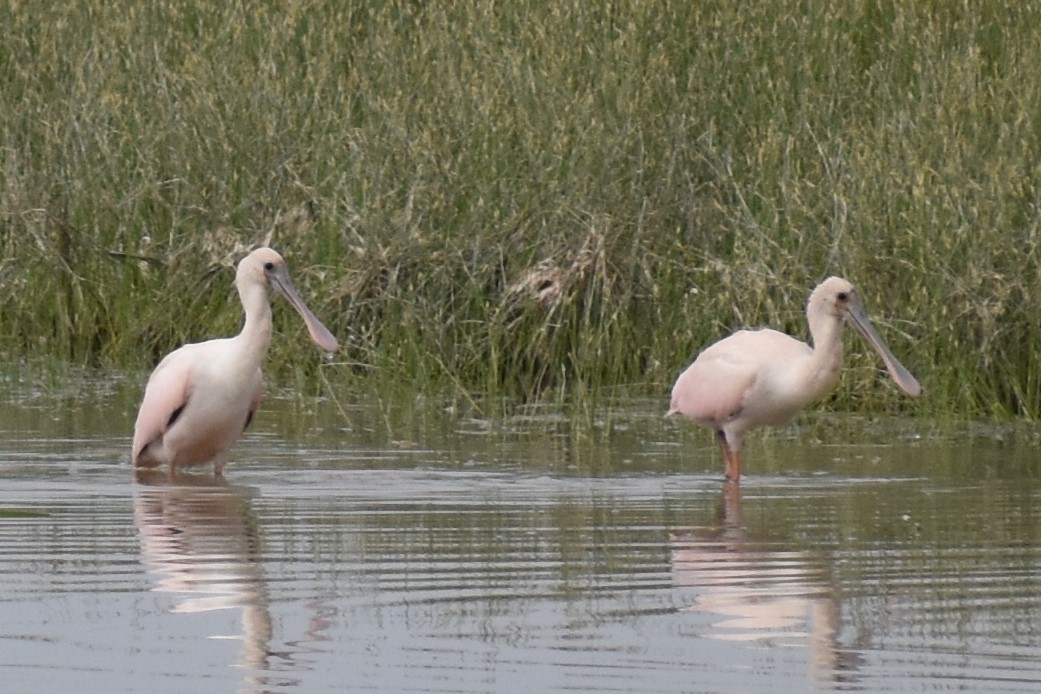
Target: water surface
{"x": 442, "y": 552}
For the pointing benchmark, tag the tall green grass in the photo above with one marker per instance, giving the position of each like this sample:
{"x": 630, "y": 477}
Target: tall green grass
{"x": 528, "y": 200}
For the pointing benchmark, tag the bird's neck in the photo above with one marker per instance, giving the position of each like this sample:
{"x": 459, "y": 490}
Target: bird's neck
{"x": 826, "y": 360}
{"x": 256, "y": 332}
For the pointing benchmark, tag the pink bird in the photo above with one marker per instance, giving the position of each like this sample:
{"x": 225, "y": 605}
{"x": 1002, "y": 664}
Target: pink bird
{"x": 202, "y": 396}
{"x": 762, "y": 377}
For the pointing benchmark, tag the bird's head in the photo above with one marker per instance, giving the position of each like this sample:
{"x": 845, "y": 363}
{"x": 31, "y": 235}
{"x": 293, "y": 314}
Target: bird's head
{"x": 264, "y": 267}
{"x": 836, "y": 297}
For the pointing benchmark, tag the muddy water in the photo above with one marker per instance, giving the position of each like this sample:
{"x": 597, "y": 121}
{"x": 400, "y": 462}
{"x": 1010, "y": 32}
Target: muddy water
{"x": 376, "y": 549}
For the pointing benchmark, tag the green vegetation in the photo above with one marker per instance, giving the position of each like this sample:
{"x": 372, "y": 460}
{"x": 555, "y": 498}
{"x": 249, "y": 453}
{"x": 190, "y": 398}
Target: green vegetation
{"x": 536, "y": 199}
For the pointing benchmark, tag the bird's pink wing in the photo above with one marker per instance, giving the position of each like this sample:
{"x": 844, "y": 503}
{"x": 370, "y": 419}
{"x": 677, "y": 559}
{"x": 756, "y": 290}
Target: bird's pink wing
{"x": 712, "y": 389}
{"x": 168, "y": 390}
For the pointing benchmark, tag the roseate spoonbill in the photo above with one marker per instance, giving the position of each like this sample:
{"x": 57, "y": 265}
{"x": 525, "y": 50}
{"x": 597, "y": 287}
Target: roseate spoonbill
{"x": 757, "y": 377}
{"x": 202, "y": 396}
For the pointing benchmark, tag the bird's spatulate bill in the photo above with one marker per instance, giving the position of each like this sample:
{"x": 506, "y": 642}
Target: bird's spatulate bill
{"x": 315, "y": 328}
{"x": 901, "y": 376}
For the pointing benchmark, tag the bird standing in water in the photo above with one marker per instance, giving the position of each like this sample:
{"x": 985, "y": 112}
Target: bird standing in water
{"x": 763, "y": 377}
{"x": 202, "y": 396}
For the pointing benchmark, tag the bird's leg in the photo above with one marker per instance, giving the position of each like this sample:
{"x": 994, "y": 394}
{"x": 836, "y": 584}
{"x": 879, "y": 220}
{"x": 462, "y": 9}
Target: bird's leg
{"x": 218, "y": 465}
{"x": 734, "y": 467}
{"x": 731, "y": 458}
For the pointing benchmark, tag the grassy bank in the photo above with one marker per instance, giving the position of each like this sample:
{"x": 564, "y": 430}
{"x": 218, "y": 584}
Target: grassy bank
{"x": 528, "y": 199}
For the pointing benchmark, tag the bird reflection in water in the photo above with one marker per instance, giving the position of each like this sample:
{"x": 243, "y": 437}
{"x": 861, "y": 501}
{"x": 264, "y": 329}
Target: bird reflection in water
{"x": 201, "y": 542}
{"x": 754, "y": 590}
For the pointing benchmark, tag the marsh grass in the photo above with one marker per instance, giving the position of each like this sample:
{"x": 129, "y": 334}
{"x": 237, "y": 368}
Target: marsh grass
{"x": 528, "y": 200}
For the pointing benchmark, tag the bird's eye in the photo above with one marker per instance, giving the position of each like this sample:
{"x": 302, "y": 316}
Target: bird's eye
{"x": 269, "y": 266}
{"x": 843, "y": 296}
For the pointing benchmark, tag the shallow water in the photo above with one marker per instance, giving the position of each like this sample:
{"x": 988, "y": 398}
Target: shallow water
{"x": 387, "y": 551}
